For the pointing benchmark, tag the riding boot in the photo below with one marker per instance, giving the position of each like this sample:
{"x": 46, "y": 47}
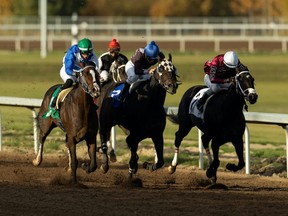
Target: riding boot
{"x": 201, "y": 101}
{"x": 66, "y": 85}
{"x": 124, "y": 92}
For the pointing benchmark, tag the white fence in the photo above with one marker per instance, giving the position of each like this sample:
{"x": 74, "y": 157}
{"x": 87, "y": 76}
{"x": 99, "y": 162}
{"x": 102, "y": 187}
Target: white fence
{"x": 183, "y": 34}
{"x": 251, "y": 117}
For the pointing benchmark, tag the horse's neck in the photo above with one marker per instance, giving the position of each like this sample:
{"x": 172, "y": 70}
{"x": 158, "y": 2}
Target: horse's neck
{"x": 81, "y": 96}
{"x": 234, "y": 100}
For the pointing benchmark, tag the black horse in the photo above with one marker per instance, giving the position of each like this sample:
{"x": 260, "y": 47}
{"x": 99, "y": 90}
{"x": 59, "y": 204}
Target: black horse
{"x": 223, "y": 121}
{"x": 142, "y": 114}
{"x": 78, "y": 118}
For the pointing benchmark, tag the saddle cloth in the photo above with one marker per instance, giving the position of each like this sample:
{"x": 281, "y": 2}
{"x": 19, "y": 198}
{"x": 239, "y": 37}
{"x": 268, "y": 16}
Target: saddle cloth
{"x": 193, "y": 108}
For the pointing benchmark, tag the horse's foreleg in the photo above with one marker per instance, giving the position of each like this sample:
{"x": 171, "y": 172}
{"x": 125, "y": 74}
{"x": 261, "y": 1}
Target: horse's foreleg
{"x": 92, "y": 166}
{"x": 132, "y": 143}
{"x": 238, "y": 145}
{"x": 104, "y": 137}
{"x": 73, "y": 157}
{"x": 211, "y": 172}
{"x": 158, "y": 145}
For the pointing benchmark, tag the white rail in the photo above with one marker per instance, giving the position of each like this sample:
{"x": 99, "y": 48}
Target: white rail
{"x": 251, "y": 117}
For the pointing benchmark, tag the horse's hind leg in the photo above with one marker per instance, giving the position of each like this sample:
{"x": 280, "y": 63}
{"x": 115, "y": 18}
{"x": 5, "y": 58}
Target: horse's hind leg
{"x": 45, "y": 126}
{"x": 185, "y": 125}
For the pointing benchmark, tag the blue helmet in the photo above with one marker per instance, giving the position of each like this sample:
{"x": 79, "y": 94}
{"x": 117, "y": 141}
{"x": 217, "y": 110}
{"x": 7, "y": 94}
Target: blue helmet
{"x": 151, "y": 50}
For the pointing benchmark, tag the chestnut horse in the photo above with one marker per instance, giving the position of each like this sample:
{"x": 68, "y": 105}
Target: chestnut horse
{"x": 78, "y": 118}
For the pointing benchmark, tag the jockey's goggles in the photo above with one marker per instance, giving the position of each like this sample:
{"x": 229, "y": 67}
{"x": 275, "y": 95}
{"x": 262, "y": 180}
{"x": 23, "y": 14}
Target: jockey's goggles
{"x": 85, "y": 53}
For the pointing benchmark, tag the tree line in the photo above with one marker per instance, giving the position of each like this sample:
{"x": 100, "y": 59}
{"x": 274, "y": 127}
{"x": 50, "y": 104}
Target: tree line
{"x": 148, "y": 8}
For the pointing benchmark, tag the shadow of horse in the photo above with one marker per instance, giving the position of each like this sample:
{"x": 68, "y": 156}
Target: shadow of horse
{"x": 142, "y": 114}
{"x": 223, "y": 121}
{"x": 78, "y": 119}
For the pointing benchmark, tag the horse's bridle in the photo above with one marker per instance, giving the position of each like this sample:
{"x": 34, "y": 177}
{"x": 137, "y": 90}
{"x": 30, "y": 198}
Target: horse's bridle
{"x": 171, "y": 73}
{"x": 118, "y": 77}
{"x": 245, "y": 92}
{"x": 95, "y": 92}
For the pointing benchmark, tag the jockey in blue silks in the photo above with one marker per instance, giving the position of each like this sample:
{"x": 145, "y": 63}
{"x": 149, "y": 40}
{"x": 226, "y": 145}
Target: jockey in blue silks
{"x": 81, "y": 53}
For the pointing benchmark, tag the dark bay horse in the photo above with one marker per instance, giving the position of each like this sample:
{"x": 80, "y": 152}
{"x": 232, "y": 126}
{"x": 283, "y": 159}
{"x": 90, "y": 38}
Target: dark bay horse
{"x": 142, "y": 114}
{"x": 78, "y": 119}
{"x": 223, "y": 122}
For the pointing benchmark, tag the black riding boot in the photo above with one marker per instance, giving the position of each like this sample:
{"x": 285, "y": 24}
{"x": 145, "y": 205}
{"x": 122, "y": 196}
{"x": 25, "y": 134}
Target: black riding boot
{"x": 122, "y": 95}
{"x": 201, "y": 101}
{"x": 66, "y": 85}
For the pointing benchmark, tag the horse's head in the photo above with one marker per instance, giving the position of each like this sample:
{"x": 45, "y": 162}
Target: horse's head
{"x": 117, "y": 71}
{"x": 89, "y": 79}
{"x": 166, "y": 74}
{"x": 245, "y": 84}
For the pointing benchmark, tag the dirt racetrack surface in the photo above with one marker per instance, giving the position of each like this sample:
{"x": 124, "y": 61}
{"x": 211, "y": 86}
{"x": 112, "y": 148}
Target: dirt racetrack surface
{"x": 45, "y": 190}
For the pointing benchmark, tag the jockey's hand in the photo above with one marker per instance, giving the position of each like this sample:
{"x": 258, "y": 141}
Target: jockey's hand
{"x": 91, "y": 63}
{"x": 152, "y": 70}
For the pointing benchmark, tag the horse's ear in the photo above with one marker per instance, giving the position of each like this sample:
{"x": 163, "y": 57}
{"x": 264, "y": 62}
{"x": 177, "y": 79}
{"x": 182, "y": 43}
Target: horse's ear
{"x": 170, "y": 57}
{"x": 161, "y": 56}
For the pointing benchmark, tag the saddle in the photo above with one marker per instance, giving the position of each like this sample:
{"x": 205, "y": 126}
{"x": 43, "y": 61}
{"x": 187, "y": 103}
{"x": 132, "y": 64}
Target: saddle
{"x": 61, "y": 97}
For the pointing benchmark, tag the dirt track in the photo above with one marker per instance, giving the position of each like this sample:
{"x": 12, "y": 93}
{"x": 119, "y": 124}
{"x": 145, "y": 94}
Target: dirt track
{"x": 44, "y": 190}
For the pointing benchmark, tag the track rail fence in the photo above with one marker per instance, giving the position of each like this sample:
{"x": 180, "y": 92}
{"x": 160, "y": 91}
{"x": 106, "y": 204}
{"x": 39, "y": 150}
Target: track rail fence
{"x": 251, "y": 117}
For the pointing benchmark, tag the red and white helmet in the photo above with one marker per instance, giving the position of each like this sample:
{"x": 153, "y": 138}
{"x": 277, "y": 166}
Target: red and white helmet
{"x": 231, "y": 59}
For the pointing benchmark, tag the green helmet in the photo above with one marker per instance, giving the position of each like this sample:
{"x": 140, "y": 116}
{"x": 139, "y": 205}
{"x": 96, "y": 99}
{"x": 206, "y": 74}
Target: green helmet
{"x": 85, "y": 46}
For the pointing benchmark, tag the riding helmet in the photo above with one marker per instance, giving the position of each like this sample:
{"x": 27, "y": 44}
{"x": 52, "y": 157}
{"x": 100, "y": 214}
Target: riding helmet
{"x": 114, "y": 45}
{"x": 151, "y": 50}
{"x": 231, "y": 59}
{"x": 85, "y": 46}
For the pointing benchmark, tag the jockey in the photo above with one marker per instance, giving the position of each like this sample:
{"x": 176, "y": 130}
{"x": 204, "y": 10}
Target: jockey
{"x": 219, "y": 72}
{"x": 107, "y": 58}
{"x": 138, "y": 67}
{"x": 73, "y": 59}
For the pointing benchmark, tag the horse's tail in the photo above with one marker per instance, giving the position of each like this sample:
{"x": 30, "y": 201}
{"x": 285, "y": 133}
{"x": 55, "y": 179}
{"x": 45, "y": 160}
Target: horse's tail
{"x": 173, "y": 118}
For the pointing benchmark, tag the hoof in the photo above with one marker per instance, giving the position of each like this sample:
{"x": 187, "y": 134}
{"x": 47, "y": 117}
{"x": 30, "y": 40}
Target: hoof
{"x": 112, "y": 156}
{"x": 36, "y": 162}
{"x": 231, "y": 167}
{"x": 104, "y": 168}
{"x": 171, "y": 169}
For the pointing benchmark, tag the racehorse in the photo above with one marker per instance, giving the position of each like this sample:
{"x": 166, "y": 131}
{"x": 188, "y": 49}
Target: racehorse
{"x": 117, "y": 74}
{"x": 142, "y": 114}
{"x": 223, "y": 121}
{"x": 78, "y": 118}
{"x": 117, "y": 71}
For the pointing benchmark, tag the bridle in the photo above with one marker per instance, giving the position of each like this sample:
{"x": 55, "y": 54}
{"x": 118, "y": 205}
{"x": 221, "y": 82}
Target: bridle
{"x": 166, "y": 72}
{"x": 249, "y": 90}
{"x": 95, "y": 91}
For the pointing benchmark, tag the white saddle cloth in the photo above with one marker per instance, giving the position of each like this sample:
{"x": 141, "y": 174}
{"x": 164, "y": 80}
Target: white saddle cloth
{"x": 193, "y": 108}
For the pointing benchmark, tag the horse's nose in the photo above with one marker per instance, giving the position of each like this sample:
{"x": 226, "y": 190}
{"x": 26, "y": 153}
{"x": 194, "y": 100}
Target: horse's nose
{"x": 252, "y": 98}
